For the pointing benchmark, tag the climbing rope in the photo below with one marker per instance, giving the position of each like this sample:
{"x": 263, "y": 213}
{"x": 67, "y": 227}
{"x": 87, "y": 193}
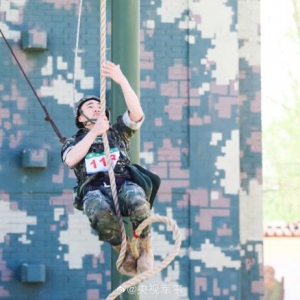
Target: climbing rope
{"x": 145, "y": 223}
{"x": 102, "y": 111}
{"x": 142, "y": 276}
{"x": 111, "y": 174}
{"x": 105, "y": 140}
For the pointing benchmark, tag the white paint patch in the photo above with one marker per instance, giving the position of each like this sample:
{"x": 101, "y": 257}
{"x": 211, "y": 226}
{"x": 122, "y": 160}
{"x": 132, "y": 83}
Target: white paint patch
{"x": 230, "y": 163}
{"x": 11, "y": 10}
{"x": 249, "y": 32}
{"x": 148, "y": 157}
{"x": 79, "y": 239}
{"x": 12, "y": 15}
{"x": 214, "y": 195}
{"x": 215, "y": 138}
{"x": 63, "y": 89}
{"x": 150, "y": 24}
{"x": 171, "y": 10}
{"x": 61, "y": 65}
{"x": 251, "y": 213}
{"x": 161, "y": 246}
{"x": 224, "y": 52}
{"x": 204, "y": 88}
{"x": 186, "y": 23}
{"x": 59, "y": 211}
{"x": 213, "y": 257}
{"x": 60, "y": 89}
{"x": 216, "y": 24}
{"x": 48, "y": 69}
{"x": 225, "y": 55}
{"x": 10, "y": 34}
{"x": 259, "y": 251}
{"x": 23, "y": 239}
{"x": 14, "y": 221}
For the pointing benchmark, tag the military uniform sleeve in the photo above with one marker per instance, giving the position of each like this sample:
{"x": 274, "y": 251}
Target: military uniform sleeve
{"x": 67, "y": 146}
{"x": 131, "y": 124}
{"x": 126, "y": 128}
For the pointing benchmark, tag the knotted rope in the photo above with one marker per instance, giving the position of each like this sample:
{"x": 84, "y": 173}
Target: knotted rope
{"x": 133, "y": 281}
{"x": 142, "y": 276}
{"x": 102, "y": 110}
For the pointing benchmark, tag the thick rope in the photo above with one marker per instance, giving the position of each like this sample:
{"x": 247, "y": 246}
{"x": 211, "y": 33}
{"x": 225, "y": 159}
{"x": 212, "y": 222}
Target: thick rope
{"x": 111, "y": 174}
{"x": 142, "y": 276}
{"x": 105, "y": 140}
{"x": 135, "y": 280}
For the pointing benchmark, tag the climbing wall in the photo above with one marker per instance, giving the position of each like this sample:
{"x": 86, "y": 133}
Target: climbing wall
{"x": 200, "y": 90}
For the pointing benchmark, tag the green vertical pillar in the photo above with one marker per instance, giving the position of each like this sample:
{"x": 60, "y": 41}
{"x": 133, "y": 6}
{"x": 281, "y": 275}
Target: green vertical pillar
{"x": 126, "y": 53}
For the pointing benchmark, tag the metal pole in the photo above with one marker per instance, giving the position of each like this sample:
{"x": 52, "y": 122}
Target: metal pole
{"x": 126, "y": 52}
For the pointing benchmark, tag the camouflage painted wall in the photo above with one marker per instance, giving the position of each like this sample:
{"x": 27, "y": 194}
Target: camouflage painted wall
{"x": 200, "y": 89}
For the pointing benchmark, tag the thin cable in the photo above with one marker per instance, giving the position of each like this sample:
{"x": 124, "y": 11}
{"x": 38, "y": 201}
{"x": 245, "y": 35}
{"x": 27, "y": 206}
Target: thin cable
{"x": 48, "y": 117}
{"x": 76, "y": 51}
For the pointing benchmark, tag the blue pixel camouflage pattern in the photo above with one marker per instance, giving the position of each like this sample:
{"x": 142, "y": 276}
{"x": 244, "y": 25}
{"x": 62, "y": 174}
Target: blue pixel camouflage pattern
{"x": 200, "y": 90}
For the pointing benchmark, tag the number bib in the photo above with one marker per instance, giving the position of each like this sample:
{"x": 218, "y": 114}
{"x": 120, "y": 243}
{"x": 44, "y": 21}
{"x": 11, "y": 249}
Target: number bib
{"x": 96, "y": 162}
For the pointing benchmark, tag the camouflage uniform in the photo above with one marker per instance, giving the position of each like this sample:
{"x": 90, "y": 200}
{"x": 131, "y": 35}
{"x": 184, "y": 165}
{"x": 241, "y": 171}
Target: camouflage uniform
{"x": 93, "y": 190}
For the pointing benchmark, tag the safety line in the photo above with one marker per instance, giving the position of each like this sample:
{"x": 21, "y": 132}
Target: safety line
{"x": 76, "y": 52}
{"x": 48, "y": 117}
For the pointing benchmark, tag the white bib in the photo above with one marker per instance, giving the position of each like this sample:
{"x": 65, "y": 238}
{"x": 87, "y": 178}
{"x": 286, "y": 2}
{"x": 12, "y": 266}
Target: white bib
{"x": 96, "y": 162}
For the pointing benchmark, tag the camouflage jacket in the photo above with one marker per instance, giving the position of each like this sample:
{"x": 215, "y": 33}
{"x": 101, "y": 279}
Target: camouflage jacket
{"x": 118, "y": 136}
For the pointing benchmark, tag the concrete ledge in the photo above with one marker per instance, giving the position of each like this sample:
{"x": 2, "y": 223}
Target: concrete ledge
{"x": 34, "y": 158}
{"x": 34, "y": 40}
{"x": 33, "y": 273}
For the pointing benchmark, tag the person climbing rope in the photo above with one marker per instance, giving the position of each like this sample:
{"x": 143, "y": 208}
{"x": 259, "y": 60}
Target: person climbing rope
{"x": 84, "y": 153}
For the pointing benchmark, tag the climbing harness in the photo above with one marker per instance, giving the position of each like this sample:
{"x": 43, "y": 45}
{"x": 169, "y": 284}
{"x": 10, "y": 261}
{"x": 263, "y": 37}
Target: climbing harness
{"x": 47, "y": 118}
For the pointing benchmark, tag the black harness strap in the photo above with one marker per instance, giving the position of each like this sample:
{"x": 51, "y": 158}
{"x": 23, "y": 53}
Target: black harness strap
{"x": 47, "y": 118}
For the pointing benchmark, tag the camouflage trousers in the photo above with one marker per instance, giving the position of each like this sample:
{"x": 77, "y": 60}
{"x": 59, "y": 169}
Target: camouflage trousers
{"x": 99, "y": 207}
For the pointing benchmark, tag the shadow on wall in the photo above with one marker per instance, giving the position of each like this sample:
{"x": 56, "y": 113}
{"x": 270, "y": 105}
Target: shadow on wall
{"x": 273, "y": 289}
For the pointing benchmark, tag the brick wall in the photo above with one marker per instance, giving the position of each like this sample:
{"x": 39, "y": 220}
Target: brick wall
{"x": 200, "y": 89}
